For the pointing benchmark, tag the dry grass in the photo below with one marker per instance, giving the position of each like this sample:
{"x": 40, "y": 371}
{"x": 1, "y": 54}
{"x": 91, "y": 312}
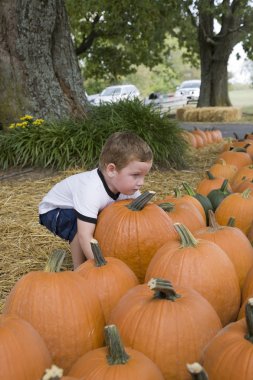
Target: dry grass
{"x": 25, "y": 245}
{"x": 210, "y": 114}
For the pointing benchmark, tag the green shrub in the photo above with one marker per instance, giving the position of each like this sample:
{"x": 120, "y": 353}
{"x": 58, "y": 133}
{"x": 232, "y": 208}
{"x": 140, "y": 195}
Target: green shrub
{"x": 77, "y": 143}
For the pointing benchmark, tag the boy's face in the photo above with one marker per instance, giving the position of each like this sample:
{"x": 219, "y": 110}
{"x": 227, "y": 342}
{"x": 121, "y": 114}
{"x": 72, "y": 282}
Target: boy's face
{"x": 129, "y": 179}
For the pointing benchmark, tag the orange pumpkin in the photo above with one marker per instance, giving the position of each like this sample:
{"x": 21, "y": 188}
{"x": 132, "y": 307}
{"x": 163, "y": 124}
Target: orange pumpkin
{"x": 224, "y": 170}
{"x": 238, "y": 206}
{"x": 202, "y": 265}
{"x": 23, "y": 353}
{"x": 186, "y": 213}
{"x": 63, "y": 307}
{"x": 244, "y": 173}
{"x": 229, "y": 355}
{"x": 210, "y": 183}
{"x": 234, "y": 243}
{"x": 152, "y": 318}
{"x": 111, "y": 278}
{"x": 237, "y": 158}
{"x": 132, "y": 230}
{"x": 115, "y": 362}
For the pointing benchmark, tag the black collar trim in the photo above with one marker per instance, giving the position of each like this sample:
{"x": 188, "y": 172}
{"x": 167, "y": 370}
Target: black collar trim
{"x": 109, "y": 192}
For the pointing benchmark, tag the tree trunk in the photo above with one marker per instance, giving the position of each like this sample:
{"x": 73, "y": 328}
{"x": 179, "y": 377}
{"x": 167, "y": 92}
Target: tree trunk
{"x": 215, "y": 50}
{"x": 39, "y": 72}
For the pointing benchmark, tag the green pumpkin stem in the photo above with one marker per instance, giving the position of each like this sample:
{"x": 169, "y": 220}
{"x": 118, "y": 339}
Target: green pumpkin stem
{"x": 55, "y": 261}
{"x": 186, "y": 237}
{"x": 116, "y": 351}
{"x": 210, "y": 175}
{"x": 167, "y": 206}
{"x": 249, "y": 319}
{"x": 140, "y": 202}
{"x": 197, "y": 371}
{"x": 163, "y": 289}
{"x": 231, "y": 222}
{"x": 177, "y": 192}
{"x": 224, "y": 186}
{"x": 97, "y": 253}
{"x": 189, "y": 189}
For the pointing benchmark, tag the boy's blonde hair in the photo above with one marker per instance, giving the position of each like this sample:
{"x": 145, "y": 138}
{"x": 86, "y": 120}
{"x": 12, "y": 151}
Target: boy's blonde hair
{"x": 123, "y": 147}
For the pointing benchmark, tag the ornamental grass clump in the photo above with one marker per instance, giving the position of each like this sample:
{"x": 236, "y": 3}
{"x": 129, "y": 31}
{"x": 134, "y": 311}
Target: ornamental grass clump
{"x": 77, "y": 143}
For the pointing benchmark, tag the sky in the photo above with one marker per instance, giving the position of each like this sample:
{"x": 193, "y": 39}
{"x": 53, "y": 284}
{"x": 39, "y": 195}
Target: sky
{"x": 240, "y": 74}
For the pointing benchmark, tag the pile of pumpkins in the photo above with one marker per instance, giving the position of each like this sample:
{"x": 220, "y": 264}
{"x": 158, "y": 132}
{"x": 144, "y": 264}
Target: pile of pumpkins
{"x": 167, "y": 296}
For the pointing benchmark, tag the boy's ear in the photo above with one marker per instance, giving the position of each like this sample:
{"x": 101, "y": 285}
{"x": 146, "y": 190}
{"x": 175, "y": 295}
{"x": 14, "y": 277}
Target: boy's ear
{"x": 111, "y": 169}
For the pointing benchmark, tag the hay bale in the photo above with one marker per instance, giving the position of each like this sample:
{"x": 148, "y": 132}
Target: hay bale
{"x": 209, "y": 114}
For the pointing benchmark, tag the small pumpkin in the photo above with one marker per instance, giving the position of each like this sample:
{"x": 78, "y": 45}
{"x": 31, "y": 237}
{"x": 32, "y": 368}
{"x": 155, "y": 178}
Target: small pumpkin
{"x": 237, "y": 156}
{"x": 238, "y": 206}
{"x": 115, "y": 362}
{"x": 205, "y": 202}
{"x": 210, "y": 183}
{"x": 234, "y": 243}
{"x": 216, "y": 196}
{"x": 223, "y": 169}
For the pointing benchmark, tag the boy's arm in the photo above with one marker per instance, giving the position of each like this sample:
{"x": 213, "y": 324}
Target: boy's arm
{"x": 85, "y": 234}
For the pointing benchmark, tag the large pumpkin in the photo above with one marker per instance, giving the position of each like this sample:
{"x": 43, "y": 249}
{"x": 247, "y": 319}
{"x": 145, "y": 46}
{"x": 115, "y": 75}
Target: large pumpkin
{"x": 170, "y": 325}
{"x": 115, "y": 362}
{"x": 202, "y": 265}
{"x": 23, "y": 353}
{"x": 111, "y": 278}
{"x": 62, "y": 307}
{"x": 133, "y": 230}
{"x": 229, "y": 355}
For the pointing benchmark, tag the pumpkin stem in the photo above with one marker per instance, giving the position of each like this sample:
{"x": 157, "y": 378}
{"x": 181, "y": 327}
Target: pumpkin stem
{"x": 210, "y": 175}
{"x": 186, "y": 237}
{"x": 53, "y": 373}
{"x": 212, "y": 220}
{"x": 177, "y": 192}
{"x": 167, "y": 206}
{"x": 224, "y": 185}
{"x": 163, "y": 289}
{"x": 98, "y": 256}
{"x": 55, "y": 261}
{"x": 246, "y": 193}
{"x": 141, "y": 201}
{"x": 116, "y": 350}
{"x": 197, "y": 371}
{"x": 189, "y": 189}
{"x": 249, "y": 319}
{"x": 231, "y": 222}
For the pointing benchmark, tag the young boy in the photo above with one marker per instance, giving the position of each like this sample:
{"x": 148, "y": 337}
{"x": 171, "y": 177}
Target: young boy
{"x": 70, "y": 209}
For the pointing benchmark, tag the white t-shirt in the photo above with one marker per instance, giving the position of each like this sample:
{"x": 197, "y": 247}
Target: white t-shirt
{"x": 86, "y": 192}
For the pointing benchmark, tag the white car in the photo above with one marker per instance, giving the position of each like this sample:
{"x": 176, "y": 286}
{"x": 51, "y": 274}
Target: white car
{"x": 113, "y": 94}
{"x": 189, "y": 89}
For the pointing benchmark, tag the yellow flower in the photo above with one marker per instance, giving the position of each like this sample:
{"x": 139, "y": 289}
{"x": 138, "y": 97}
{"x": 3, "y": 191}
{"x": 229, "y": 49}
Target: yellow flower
{"x": 12, "y": 125}
{"x": 26, "y": 117}
{"x": 38, "y": 122}
{"x": 22, "y": 125}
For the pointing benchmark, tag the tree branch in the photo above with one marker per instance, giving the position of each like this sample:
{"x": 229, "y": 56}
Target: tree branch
{"x": 88, "y": 41}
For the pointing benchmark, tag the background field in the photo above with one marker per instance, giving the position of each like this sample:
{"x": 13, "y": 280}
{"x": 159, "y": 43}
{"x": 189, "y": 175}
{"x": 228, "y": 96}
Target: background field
{"x": 242, "y": 98}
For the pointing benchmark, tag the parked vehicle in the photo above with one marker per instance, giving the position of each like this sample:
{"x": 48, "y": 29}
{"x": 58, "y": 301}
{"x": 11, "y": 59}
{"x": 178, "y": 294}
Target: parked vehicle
{"x": 189, "y": 89}
{"x": 116, "y": 93}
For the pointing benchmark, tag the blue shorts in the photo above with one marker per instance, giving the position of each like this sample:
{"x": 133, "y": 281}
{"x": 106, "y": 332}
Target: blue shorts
{"x": 62, "y": 222}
